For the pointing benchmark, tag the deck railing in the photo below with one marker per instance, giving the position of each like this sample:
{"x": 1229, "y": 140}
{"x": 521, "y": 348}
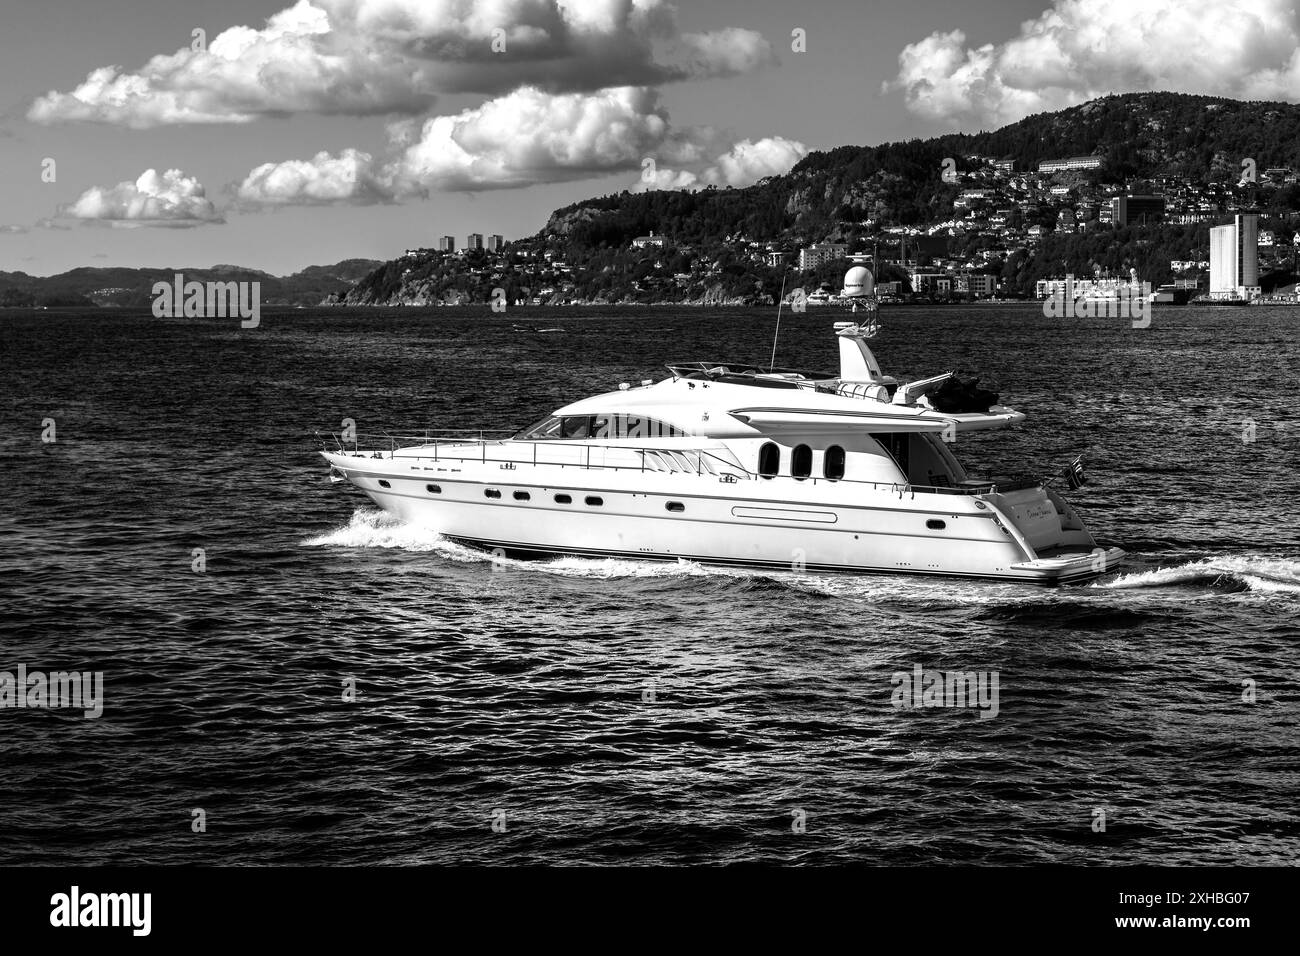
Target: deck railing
{"x": 472, "y": 446}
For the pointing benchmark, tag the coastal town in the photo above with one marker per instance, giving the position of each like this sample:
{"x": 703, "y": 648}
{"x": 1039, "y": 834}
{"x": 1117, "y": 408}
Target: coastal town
{"x": 1000, "y": 219}
{"x": 1069, "y": 227}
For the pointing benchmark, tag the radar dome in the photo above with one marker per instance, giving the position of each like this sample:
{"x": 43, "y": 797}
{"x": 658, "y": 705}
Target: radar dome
{"x": 858, "y": 281}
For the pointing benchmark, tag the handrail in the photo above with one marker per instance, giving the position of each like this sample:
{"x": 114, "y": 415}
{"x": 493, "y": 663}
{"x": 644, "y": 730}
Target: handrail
{"x": 372, "y": 440}
{"x": 732, "y": 470}
{"x": 747, "y": 369}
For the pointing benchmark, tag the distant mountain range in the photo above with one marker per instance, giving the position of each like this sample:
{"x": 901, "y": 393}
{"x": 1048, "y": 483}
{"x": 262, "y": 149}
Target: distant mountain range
{"x": 132, "y": 288}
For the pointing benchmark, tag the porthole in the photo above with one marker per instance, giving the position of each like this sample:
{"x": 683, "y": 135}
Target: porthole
{"x": 433, "y": 489}
{"x": 523, "y": 496}
{"x": 934, "y": 524}
{"x": 769, "y": 459}
{"x": 833, "y": 463}
{"x": 563, "y": 500}
{"x": 594, "y": 501}
{"x": 675, "y": 506}
{"x": 491, "y": 493}
{"x": 384, "y": 484}
{"x": 801, "y": 462}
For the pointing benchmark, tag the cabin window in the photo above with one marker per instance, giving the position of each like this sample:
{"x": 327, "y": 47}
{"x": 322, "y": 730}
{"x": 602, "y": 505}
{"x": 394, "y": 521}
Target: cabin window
{"x": 833, "y": 463}
{"x": 801, "y": 462}
{"x": 491, "y": 493}
{"x": 384, "y": 484}
{"x": 636, "y": 426}
{"x": 563, "y": 500}
{"x": 897, "y": 446}
{"x": 769, "y": 459}
{"x": 594, "y": 501}
{"x": 934, "y": 524}
{"x": 433, "y": 489}
{"x": 523, "y": 496}
{"x": 580, "y": 427}
{"x": 547, "y": 428}
{"x": 675, "y": 506}
{"x": 576, "y": 426}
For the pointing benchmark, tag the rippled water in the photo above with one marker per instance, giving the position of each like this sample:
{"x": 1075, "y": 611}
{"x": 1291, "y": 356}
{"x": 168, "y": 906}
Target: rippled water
{"x": 618, "y": 711}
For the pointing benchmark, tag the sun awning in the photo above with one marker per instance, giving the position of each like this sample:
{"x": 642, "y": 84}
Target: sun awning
{"x": 805, "y": 421}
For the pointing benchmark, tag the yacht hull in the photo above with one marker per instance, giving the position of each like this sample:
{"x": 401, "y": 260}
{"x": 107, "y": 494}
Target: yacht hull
{"x": 813, "y": 525}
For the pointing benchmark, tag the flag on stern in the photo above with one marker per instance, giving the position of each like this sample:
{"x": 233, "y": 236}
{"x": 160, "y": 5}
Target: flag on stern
{"x": 1074, "y": 474}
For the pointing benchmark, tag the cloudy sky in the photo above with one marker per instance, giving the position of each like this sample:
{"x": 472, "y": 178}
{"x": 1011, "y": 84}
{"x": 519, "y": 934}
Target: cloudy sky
{"x": 284, "y": 133}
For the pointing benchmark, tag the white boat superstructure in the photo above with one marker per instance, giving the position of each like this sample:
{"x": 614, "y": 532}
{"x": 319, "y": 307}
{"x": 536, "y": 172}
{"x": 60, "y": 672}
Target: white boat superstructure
{"x": 738, "y": 465}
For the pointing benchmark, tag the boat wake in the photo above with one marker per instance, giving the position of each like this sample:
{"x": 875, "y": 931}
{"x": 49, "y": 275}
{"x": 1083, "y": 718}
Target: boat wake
{"x": 1226, "y": 573}
{"x": 379, "y": 529}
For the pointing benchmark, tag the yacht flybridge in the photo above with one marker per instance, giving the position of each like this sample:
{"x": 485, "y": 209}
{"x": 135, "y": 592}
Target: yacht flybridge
{"x": 738, "y": 465}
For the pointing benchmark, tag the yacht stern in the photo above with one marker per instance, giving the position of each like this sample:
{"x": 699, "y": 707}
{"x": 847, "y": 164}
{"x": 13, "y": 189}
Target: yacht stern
{"x": 1072, "y": 567}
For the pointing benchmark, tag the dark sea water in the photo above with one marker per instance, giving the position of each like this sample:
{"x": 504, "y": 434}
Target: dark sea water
{"x": 616, "y": 711}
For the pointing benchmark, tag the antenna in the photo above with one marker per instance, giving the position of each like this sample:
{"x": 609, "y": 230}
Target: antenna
{"x": 779, "y": 302}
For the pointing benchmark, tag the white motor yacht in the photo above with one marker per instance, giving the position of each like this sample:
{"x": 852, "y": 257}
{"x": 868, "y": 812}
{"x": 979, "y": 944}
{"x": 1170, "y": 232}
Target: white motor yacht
{"x": 728, "y": 464}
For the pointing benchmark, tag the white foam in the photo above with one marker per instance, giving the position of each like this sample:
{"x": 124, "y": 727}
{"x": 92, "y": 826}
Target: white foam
{"x": 1279, "y": 575}
{"x": 378, "y": 529}
{"x": 631, "y": 568}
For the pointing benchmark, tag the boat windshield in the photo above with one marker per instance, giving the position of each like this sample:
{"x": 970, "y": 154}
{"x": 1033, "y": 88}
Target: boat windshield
{"x": 548, "y": 427}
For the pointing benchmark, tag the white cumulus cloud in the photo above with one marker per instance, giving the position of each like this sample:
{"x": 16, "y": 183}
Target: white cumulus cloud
{"x": 169, "y": 199}
{"x": 1082, "y": 49}
{"x": 363, "y": 57}
{"x": 743, "y": 165}
{"x": 521, "y": 139}
{"x": 324, "y": 179}
{"x": 748, "y": 162}
{"x": 531, "y": 136}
